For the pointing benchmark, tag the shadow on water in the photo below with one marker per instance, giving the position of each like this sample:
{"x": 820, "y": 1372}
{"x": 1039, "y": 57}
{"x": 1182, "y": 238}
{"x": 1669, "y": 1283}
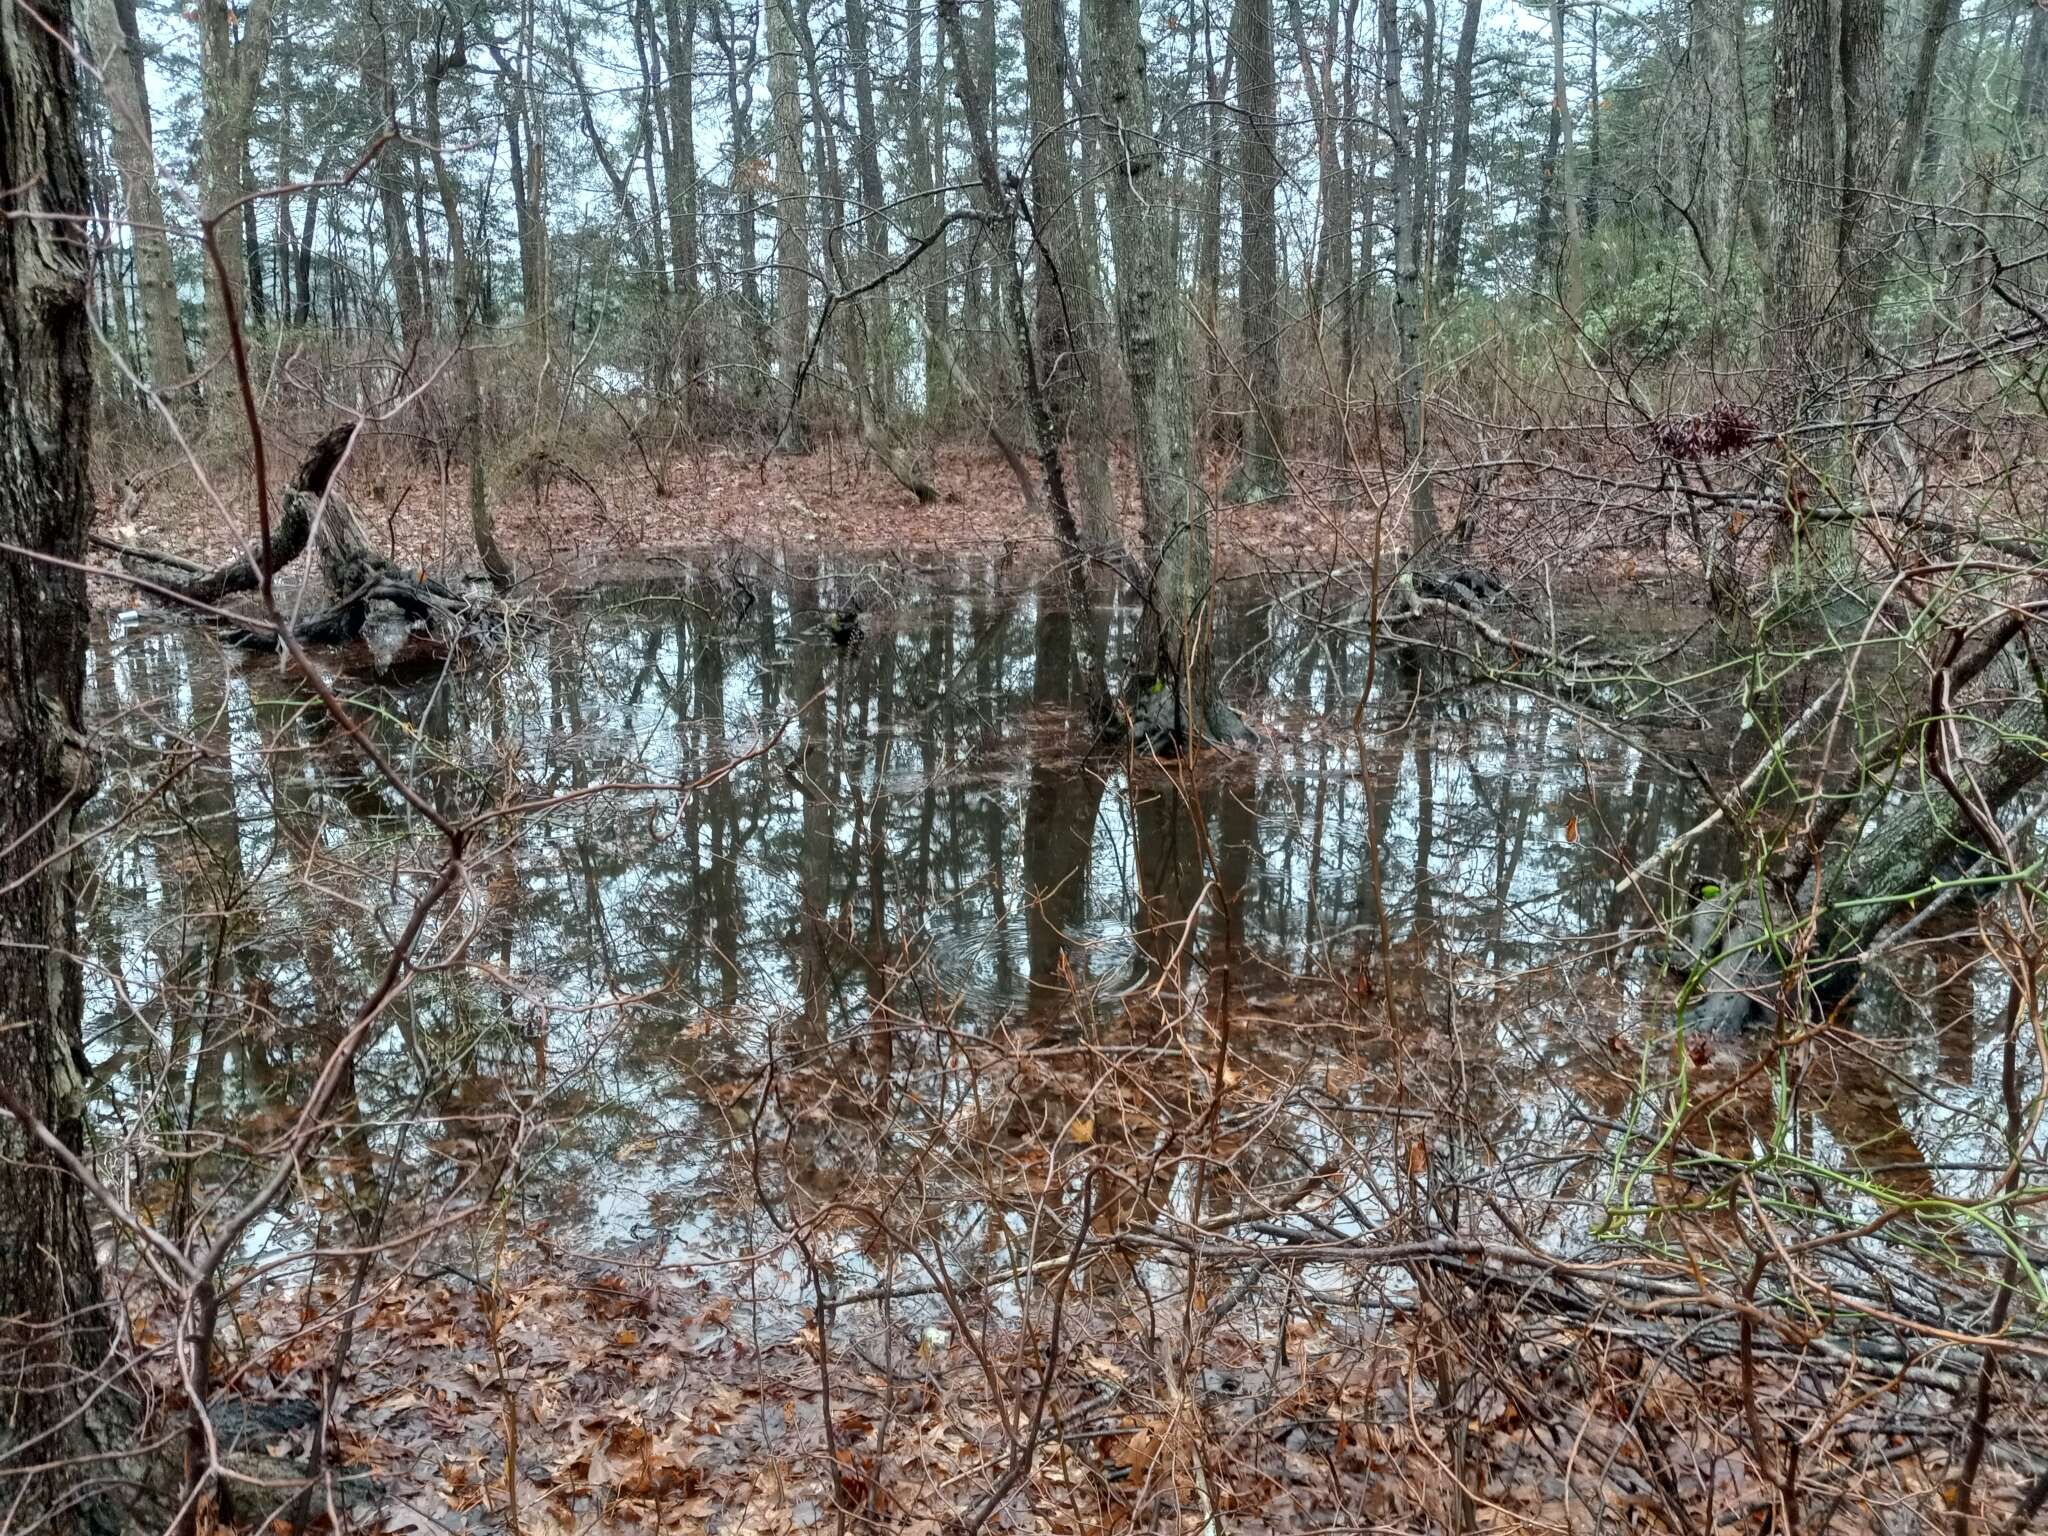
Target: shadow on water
{"x": 925, "y": 841}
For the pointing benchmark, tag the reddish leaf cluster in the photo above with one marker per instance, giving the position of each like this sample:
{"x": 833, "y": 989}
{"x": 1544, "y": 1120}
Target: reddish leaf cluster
{"x": 1723, "y": 428}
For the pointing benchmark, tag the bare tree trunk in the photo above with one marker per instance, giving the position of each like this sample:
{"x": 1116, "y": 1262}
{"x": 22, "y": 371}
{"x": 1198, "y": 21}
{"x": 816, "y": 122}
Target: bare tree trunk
{"x": 1564, "y": 192}
{"x": 1806, "y": 330}
{"x": 867, "y": 153}
{"x": 921, "y": 152}
{"x": 1262, "y": 471}
{"x": 528, "y": 148}
{"x": 1713, "y": 103}
{"x": 1064, "y": 274}
{"x": 234, "y": 51}
{"x": 302, "y": 311}
{"x": 1090, "y": 431}
{"x": 792, "y": 224}
{"x": 1411, "y": 384}
{"x": 115, "y": 46}
{"x": 1210, "y": 371}
{"x": 1450, "y": 254}
{"x": 1008, "y": 275}
{"x": 1914, "y": 139}
{"x": 64, "y": 1427}
{"x": 679, "y": 168}
{"x": 753, "y": 320}
{"x": 468, "y": 314}
{"x": 874, "y": 427}
{"x": 1151, "y": 316}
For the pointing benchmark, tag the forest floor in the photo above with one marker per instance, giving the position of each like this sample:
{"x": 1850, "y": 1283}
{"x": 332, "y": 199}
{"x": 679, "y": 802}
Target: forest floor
{"x": 570, "y": 524}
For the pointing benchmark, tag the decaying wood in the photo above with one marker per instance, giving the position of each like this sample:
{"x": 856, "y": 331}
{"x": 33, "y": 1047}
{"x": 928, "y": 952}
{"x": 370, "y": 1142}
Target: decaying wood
{"x": 288, "y": 537}
{"x": 313, "y": 511}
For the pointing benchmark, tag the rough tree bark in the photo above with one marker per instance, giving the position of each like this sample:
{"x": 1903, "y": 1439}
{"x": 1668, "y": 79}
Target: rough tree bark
{"x": 57, "y": 1331}
{"x": 1152, "y": 321}
{"x": 1820, "y": 270}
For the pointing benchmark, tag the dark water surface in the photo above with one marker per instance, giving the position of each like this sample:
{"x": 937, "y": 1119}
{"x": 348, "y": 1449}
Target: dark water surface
{"x": 924, "y": 841}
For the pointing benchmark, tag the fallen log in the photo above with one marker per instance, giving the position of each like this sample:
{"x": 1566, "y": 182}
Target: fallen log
{"x": 357, "y": 579}
{"x": 245, "y": 573}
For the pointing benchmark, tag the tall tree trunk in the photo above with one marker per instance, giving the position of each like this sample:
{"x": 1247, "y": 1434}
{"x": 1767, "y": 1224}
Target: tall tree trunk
{"x": 1564, "y": 192}
{"x": 1056, "y": 295}
{"x": 252, "y": 246}
{"x": 1262, "y": 471}
{"x": 1152, "y": 320}
{"x": 1007, "y": 273}
{"x": 1714, "y": 113}
{"x": 1914, "y": 139}
{"x": 116, "y": 47}
{"x": 867, "y": 153}
{"x": 1411, "y": 384}
{"x": 1865, "y": 243}
{"x": 528, "y": 134}
{"x": 468, "y": 314}
{"x": 739, "y": 102}
{"x": 1090, "y": 431}
{"x": 648, "y": 50}
{"x": 1593, "y": 188}
{"x": 63, "y": 1425}
{"x": 1210, "y": 367}
{"x": 234, "y": 51}
{"x": 792, "y": 225}
{"x": 920, "y": 153}
{"x": 408, "y": 287}
{"x": 1806, "y": 330}
{"x": 679, "y": 167}
{"x": 874, "y": 428}
{"x": 302, "y": 312}
{"x": 1450, "y": 251}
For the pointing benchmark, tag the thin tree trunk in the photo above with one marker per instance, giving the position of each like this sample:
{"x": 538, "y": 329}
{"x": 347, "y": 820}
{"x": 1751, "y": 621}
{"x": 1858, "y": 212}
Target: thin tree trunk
{"x": 679, "y": 167}
{"x": 901, "y": 463}
{"x": 1563, "y": 178}
{"x": 1450, "y": 254}
{"x": 234, "y": 51}
{"x": 1411, "y": 382}
{"x": 468, "y": 314}
{"x": 754, "y": 320}
{"x": 1262, "y": 471}
{"x": 792, "y": 225}
{"x": 116, "y": 47}
{"x": 405, "y": 258}
{"x": 921, "y": 139}
{"x": 1056, "y": 297}
{"x": 302, "y": 313}
{"x": 1210, "y": 371}
{"x": 874, "y": 224}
